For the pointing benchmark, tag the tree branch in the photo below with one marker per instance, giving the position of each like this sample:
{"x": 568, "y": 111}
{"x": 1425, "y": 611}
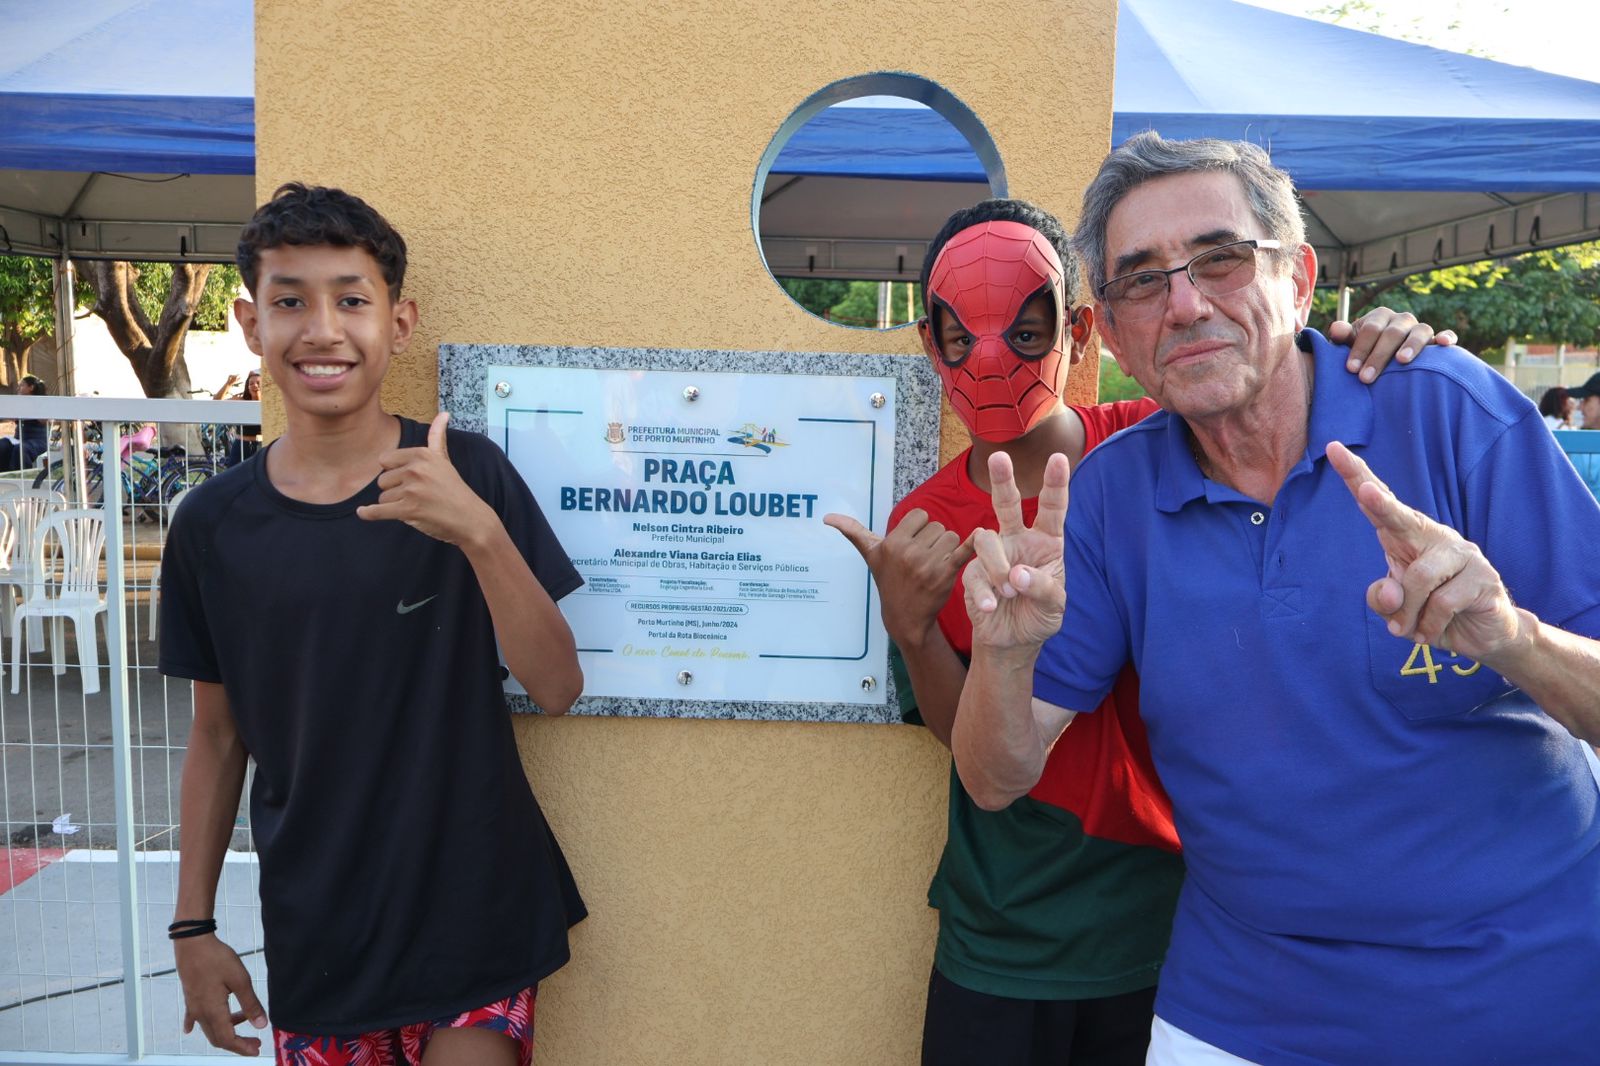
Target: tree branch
{"x": 116, "y": 303}
{"x": 1364, "y": 297}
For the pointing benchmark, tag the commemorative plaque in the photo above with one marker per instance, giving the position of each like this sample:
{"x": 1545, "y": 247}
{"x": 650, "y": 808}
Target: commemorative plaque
{"x": 691, "y": 501}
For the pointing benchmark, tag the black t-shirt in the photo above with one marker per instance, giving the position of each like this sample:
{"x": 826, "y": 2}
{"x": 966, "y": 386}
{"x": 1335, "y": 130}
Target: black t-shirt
{"x": 407, "y": 872}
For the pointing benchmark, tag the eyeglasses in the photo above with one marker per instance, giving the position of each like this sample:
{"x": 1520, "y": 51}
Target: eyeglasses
{"x": 1214, "y": 272}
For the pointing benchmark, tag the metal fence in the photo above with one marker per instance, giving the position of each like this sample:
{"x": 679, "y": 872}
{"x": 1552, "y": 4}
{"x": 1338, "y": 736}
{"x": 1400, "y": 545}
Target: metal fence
{"x": 91, "y": 762}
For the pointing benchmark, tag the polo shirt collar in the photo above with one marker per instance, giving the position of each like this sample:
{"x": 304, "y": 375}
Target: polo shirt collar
{"x": 1341, "y": 410}
{"x": 1341, "y": 403}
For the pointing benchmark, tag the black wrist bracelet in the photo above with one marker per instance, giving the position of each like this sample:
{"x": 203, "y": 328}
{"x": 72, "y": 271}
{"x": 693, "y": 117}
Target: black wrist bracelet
{"x": 191, "y": 927}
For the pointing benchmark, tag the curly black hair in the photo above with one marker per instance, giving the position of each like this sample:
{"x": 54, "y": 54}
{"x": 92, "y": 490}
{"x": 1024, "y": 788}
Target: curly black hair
{"x": 301, "y": 214}
{"x": 1008, "y": 211}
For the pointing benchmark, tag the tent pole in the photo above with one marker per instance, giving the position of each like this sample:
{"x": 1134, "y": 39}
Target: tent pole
{"x": 65, "y": 283}
{"x": 1344, "y": 285}
{"x": 66, "y": 372}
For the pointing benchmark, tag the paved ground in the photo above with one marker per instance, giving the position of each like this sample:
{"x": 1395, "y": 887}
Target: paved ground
{"x": 62, "y": 928}
{"x": 60, "y": 935}
{"x": 55, "y": 743}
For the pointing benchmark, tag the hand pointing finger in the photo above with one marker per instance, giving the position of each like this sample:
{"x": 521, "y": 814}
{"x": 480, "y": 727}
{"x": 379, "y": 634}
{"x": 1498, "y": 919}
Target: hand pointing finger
{"x": 862, "y": 538}
{"x": 1391, "y": 517}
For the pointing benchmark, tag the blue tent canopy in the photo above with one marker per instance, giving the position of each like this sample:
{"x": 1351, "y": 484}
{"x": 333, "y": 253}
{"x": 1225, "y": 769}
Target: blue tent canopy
{"x": 134, "y": 118}
{"x": 85, "y": 86}
{"x": 1342, "y": 109}
{"x": 909, "y": 143}
{"x": 1379, "y": 114}
{"x": 1406, "y": 156}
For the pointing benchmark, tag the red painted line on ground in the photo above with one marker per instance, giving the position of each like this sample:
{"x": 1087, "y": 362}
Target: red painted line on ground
{"x": 19, "y": 864}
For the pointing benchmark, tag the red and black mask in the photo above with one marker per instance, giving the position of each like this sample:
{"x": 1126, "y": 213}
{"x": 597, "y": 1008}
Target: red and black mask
{"x": 983, "y": 278}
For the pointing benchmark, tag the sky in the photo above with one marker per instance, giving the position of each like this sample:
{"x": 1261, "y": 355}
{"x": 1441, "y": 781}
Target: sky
{"x": 1559, "y": 36}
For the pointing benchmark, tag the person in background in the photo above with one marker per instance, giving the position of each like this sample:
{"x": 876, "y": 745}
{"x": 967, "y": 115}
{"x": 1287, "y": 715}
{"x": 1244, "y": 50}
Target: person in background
{"x": 33, "y": 434}
{"x": 1588, "y": 397}
{"x": 1557, "y": 405}
{"x": 247, "y": 439}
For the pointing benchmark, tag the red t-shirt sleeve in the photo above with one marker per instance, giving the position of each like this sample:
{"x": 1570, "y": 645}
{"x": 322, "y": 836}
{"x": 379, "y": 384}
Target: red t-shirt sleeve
{"x": 1102, "y": 420}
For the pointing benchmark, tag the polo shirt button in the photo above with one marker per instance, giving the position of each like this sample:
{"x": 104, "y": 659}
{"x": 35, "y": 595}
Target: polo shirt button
{"x": 1256, "y": 518}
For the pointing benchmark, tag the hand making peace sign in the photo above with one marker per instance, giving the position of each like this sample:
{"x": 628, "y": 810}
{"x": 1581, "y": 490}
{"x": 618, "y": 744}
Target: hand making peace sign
{"x": 1016, "y": 588}
{"x": 1440, "y": 589}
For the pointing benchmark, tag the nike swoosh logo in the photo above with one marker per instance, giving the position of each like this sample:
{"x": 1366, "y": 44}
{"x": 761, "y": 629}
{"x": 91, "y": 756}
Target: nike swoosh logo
{"x": 406, "y": 608}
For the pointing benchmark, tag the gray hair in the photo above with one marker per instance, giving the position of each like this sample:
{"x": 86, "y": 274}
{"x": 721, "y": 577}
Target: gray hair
{"x": 1147, "y": 155}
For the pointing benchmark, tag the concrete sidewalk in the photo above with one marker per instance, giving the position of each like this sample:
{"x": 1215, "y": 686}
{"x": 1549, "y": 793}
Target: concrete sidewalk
{"x": 62, "y": 926}
{"x": 56, "y": 755}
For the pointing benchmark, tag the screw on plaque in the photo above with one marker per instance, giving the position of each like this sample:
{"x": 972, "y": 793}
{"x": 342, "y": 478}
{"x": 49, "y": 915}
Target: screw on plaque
{"x": 878, "y": 399}
{"x": 868, "y": 683}
{"x": 685, "y": 677}
{"x": 502, "y": 389}
{"x": 691, "y": 394}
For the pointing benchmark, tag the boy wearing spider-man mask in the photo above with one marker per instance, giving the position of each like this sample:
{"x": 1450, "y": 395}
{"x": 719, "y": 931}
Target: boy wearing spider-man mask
{"x": 1054, "y": 914}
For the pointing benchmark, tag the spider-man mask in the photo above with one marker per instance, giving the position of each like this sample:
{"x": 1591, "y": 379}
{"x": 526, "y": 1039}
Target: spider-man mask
{"x": 984, "y": 277}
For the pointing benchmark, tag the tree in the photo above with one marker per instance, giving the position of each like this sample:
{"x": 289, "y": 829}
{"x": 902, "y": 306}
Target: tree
{"x": 27, "y": 310}
{"x": 1115, "y": 384}
{"x": 816, "y": 295}
{"x": 1551, "y": 296}
{"x": 854, "y": 303}
{"x": 148, "y": 309}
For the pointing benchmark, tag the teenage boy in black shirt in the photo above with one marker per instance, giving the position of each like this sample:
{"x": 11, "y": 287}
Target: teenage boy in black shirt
{"x": 337, "y": 601}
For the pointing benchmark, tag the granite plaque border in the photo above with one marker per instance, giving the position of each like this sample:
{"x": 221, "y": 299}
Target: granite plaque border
{"x": 465, "y": 382}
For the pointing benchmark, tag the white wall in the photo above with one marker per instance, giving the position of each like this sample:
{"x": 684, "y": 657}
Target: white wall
{"x": 102, "y": 369}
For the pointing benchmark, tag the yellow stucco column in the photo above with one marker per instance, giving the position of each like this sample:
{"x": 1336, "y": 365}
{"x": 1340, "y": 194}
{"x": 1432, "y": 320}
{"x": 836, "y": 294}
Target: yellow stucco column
{"x": 580, "y": 173}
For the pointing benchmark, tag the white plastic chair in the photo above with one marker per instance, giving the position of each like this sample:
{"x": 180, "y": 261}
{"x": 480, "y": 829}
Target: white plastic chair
{"x": 78, "y": 536}
{"x": 8, "y": 531}
{"x": 7, "y": 543}
{"x": 27, "y": 509}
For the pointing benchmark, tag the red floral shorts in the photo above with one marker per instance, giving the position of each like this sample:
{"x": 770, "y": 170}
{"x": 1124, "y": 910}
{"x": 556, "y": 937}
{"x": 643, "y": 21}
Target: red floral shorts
{"x": 404, "y": 1046}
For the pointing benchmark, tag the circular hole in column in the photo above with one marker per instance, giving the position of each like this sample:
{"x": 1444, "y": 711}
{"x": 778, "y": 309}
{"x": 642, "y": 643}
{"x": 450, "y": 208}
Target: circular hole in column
{"x": 855, "y": 183}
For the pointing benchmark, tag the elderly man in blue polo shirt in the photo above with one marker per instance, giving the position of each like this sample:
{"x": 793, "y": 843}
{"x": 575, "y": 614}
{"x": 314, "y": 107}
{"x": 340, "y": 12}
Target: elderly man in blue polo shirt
{"x": 1375, "y": 754}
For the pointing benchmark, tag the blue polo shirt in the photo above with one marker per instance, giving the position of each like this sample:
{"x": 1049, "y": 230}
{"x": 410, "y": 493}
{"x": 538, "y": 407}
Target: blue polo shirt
{"x": 1393, "y": 856}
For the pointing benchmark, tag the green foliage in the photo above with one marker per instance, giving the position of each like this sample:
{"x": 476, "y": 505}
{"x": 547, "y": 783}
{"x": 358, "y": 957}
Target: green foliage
{"x": 216, "y": 301}
{"x": 27, "y": 303}
{"x": 1551, "y": 296}
{"x": 859, "y": 306}
{"x": 28, "y": 309}
{"x": 1114, "y": 384}
{"x": 816, "y": 295}
{"x": 854, "y": 303}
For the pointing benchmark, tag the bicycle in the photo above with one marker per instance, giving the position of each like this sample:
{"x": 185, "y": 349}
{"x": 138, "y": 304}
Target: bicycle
{"x": 147, "y": 481}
